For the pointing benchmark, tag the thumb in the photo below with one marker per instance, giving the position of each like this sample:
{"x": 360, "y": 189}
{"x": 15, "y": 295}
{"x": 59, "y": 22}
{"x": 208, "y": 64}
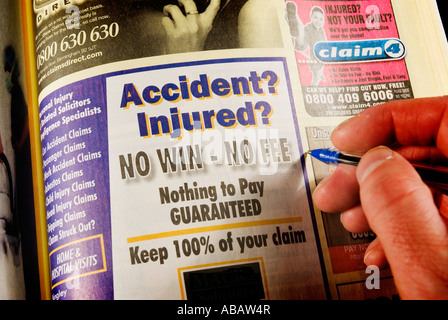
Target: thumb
{"x": 401, "y": 211}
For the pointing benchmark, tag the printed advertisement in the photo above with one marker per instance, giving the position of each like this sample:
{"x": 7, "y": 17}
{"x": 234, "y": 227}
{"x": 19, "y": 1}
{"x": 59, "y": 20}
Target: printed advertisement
{"x": 74, "y": 35}
{"x": 203, "y": 164}
{"x": 174, "y": 165}
{"x": 349, "y": 55}
{"x": 196, "y": 173}
{"x": 170, "y": 181}
{"x": 75, "y": 166}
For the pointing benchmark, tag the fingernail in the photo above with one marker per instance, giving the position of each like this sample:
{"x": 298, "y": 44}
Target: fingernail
{"x": 367, "y": 254}
{"x": 342, "y": 124}
{"x": 323, "y": 182}
{"x": 372, "y": 160}
{"x": 371, "y": 248}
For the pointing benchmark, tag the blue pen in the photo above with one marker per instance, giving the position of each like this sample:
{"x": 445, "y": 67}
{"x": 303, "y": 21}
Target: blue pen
{"x": 433, "y": 176}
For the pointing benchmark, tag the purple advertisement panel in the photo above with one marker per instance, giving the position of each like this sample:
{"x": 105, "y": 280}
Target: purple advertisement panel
{"x": 75, "y": 163}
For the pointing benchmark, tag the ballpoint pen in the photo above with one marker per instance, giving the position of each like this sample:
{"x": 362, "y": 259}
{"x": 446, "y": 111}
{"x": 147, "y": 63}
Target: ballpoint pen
{"x": 434, "y": 176}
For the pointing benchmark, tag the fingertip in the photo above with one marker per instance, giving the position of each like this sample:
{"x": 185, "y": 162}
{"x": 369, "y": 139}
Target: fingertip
{"x": 354, "y": 220}
{"x": 374, "y": 255}
{"x": 320, "y": 193}
{"x": 338, "y": 191}
{"x": 360, "y": 133}
{"x": 213, "y": 8}
{"x": 343, "y": 133}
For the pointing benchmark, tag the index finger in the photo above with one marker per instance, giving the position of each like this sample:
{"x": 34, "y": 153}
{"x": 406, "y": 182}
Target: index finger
{"x": 414, "y": 122}
{"x": 212, "y": 9}
{"x": 174, "y": 13}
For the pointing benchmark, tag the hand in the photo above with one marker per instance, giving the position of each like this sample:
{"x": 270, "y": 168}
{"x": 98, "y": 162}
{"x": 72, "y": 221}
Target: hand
{"x": 384, "y": 193}
{"x": 292, "y": 18}
{"x": 296, "y": 26}
{"x": 187, "y": 33}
